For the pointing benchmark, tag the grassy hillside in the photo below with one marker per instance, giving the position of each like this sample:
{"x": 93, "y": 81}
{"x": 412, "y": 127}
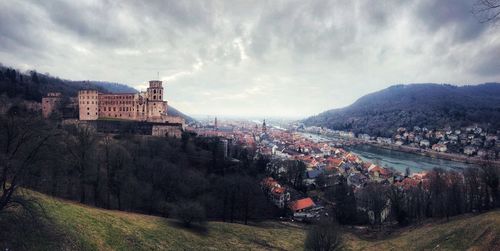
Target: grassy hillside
{"x": 79, "y": 227}
{"x": 480, "y": 232}
{"x": 76, "y": 227}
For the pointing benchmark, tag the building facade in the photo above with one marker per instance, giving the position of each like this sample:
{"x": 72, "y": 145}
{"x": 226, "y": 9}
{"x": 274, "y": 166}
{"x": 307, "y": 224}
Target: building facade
{"x": 144, "y": 106}
{"x": 50, "y": 103}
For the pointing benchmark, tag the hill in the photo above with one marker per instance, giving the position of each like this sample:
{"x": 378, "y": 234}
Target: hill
{"x": 72, "y": 226}
{"x": 466, "y": 232}
{"x": 69, "y": 225}
{"x": 114, "y": 87}
{"x": 424, "y": 105}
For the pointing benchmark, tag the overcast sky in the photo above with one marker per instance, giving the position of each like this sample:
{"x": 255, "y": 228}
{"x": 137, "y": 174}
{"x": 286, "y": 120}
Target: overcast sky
{"x": 254, "y": 58}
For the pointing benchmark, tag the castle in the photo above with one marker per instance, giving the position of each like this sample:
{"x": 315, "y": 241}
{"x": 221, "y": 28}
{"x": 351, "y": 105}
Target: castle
{"x": 147, "y": 107}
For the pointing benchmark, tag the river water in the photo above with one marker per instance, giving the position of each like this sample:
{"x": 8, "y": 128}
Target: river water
{"x": 395, "y": 159}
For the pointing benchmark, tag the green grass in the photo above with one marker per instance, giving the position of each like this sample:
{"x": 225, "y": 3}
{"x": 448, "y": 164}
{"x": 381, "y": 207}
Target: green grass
{"x": 467, "y": 232}
{"x": 82, "y": 227}
{"x": 72, "y": 226}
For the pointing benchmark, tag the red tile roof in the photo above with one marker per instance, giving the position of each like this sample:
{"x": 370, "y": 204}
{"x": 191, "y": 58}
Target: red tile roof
{"x": 301, "y": 204}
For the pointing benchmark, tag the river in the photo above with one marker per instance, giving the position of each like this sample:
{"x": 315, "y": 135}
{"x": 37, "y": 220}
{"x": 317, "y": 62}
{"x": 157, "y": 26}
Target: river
{"x": 395, "y": 159}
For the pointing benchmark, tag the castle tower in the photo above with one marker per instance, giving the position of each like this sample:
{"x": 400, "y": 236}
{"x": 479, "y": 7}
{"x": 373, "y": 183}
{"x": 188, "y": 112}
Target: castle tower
{"x": 155, "y": 104}
{"x": 88, "y": 104}
{"x": 155, "y": 90}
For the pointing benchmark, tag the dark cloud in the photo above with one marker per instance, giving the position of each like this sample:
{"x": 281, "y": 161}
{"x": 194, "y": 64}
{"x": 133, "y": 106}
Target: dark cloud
{"x": 454, "y": 15}
{"x": 252, "y": 56}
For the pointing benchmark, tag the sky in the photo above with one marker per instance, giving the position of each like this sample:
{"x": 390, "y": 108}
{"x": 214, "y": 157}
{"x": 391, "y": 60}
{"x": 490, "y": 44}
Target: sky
{"x": 253, "y": 58}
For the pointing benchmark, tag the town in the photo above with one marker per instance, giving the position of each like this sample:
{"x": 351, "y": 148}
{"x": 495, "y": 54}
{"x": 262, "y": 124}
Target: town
{"x": 323, "y": 164}
{"x": 471, "y": 141}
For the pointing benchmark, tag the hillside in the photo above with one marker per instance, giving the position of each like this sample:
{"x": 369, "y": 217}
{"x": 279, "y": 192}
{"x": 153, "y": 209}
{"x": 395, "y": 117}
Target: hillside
{"x": 77, "y": 227}
{"x": 425, "y": 105}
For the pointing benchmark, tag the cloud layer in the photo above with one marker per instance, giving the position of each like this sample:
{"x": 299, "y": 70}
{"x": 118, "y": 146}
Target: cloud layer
{"x": 253, "y": 58}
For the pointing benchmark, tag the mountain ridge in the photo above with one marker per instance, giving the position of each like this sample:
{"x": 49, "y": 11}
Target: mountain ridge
{"x": 418, "y": 104}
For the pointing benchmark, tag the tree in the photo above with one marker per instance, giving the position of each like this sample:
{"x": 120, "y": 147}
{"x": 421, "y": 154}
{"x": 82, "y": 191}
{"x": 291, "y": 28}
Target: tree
{"x": 81, "y": 146}
{"x": 21, "y": 142}
{"x": 397, "y": 197}
{"x": 374, "y": 199}
{"x": 345, "y": 202}
{"x": 295, "y": 171}
{"x": 487, "y": 10}
{"x": 323, "y": 236}
{"x": 490, "y": 177}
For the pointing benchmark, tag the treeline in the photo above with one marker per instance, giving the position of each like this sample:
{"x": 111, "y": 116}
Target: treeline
{"x": 187, "y": 178}
{"x": 33, "y": 86}
{"x": 444, "y": 193}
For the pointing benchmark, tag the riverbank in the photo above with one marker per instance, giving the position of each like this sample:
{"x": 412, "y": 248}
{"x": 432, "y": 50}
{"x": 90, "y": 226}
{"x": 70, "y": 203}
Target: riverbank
{"x": 438, "y": 155}
{"x": 347, "y": 142}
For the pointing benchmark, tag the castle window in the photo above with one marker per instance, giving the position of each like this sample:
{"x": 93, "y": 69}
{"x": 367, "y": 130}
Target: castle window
{"x": 88, "y": 108}
{"x": 88, "y": 113}
{"x": 154, "y": 91}
{"x": 154, "y": 96}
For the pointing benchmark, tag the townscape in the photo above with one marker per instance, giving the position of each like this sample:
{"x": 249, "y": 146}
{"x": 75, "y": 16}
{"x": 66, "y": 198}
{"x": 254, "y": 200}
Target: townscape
{"x": 325, "y": 160}
{"x": 319, "y": 125}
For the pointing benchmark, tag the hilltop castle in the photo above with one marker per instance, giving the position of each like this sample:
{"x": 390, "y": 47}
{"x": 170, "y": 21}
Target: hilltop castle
{"x": 143, "y": 106}
{"x": 147, "y": 107}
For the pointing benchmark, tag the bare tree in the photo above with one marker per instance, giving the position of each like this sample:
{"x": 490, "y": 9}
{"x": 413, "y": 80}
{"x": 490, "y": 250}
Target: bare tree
{"x": 324, "y": 236}
{"x": 81, "y": 146}
{"x": 487, "y": 10}
{"x": 21, "y": 142}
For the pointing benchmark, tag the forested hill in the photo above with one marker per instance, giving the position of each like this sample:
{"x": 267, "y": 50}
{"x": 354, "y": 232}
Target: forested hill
{"x": 32, "y": 86}
{"x": 114, "y": 87}
{"x": 425, "y": 105}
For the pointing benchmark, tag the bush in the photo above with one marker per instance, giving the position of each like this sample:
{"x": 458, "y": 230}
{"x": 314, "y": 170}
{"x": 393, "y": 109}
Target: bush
{"x": 189, "y": 212}
{"x": 324, "y": 236}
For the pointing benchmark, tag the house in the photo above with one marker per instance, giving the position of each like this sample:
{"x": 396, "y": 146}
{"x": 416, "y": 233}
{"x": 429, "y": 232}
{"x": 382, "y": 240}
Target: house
{"x": 311, "y": 176}
{"x": 439, "y": 147}
{"x": 301, "y": 205}
{"x": 276, "y": 193}
{"x": 356, "y": 179}
{"x": 469, "y": 150}
{"x": 425, "y": 143}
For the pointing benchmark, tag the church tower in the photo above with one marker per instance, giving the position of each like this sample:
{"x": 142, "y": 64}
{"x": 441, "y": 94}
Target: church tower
{"x": 264, "y": 128}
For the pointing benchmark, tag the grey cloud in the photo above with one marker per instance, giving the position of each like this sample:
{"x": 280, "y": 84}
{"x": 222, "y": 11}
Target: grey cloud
{"x": 252, "y": 56}
{"x": 443, "y": 14}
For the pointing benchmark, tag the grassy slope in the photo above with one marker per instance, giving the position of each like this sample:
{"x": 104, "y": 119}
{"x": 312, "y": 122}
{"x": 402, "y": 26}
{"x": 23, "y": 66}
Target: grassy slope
{"x": 77, "y": 227}
{"x": 91, "y": 228}
{"x": 479, "y": 232}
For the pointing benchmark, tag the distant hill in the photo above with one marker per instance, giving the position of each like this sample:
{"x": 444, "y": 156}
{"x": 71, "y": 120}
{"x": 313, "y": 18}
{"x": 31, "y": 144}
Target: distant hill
{"x": 33, "y": 86}
{"x": 114, "y": 87}
{"x": 425, "y": 105}
{"x": 71, "y": 226}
